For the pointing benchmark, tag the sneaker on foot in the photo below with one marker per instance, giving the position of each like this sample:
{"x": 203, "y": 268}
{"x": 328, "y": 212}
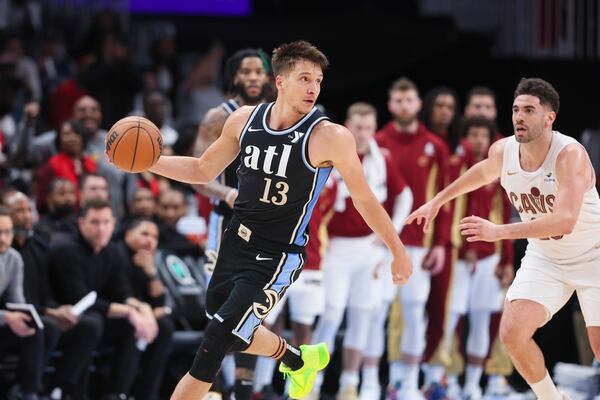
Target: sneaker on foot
{"x": 453, "y": 391}
{"x": 315, "y": 358}
{"x": 498, "y": 387}
{"x": 472, "y": 393}
{"x": 370, "y": 392}
{"x": 410, "y": 394}
{"x": 347, "y": 393}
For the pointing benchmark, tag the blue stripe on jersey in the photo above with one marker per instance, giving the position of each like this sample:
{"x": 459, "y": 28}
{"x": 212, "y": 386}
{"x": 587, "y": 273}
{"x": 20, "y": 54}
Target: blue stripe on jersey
{"x": 230, "y": 106}
{"x": 214, "y": 231}
{"x": 284, "y": 278}
{"x": 322, "y": 175}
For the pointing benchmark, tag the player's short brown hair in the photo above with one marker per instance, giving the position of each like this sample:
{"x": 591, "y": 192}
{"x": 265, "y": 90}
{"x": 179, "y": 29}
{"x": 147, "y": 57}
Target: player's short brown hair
{"x": 480, "y": 91}
{"x": 361, "y": 108}
{"x": 403, "y": 84}
{"x": 286, "y": 55}
{"x": 541, "y": 89}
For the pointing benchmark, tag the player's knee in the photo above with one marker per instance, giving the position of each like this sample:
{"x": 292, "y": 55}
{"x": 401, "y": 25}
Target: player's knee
{"x": 218, "y": 341}
{"x": 511, "y": 334}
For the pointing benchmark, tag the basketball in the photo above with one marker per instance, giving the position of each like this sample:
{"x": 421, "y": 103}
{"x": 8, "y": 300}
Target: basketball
{"x": 133, "y": 144}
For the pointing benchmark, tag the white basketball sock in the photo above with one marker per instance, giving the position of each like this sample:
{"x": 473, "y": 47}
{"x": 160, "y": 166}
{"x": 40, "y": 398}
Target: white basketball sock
{"x": 545, "y": 389}
{"x": 370, "y": 375}
{"x": 473, "y": 376}
{"x": 411, "y": 376}
{"x": 349, "y": 378}
{"x": 396, "y": 371}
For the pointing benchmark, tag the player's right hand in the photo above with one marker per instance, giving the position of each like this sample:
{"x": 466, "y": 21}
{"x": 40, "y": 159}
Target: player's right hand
{"x": 424, "y": 214}
{"x": 17, "y": 322}
{"x": 401, "y": 267}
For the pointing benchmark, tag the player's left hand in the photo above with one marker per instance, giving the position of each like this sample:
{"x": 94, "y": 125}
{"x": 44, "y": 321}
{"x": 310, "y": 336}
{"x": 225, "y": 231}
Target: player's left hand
{"x": 506, "y": 274}
{"x": 434, "y": 262}
{"x": 478, "y": 229}
{"x": 401, "y": 267}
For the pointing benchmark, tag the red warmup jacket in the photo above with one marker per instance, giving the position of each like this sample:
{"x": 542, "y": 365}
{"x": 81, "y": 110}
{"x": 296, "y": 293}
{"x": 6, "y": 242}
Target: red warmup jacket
{"x": 317, "y": 227}
{"x": 350, "y": 223}
{"x": 60, "y": 166}
{"x": 421, "y": 158}
{"x": 490, "y": 202}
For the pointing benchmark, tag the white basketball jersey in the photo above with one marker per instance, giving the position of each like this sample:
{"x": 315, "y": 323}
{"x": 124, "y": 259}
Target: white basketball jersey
{"x": 533, "y": 195}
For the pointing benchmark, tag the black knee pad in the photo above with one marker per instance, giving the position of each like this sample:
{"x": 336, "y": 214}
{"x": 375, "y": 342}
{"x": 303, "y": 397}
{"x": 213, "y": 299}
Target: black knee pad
{"x": 218, "y": 341}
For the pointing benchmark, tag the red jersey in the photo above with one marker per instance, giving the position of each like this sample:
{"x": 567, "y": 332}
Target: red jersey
{"x": 490, "y": 202}
{"x": 349, "y": 223}
{"x": 421, "y": 158}
{"x": 317, "y": 227}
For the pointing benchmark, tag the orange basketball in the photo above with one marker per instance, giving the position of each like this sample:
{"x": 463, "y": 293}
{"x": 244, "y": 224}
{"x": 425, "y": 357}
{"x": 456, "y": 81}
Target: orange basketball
{"x": 133, "y": 144}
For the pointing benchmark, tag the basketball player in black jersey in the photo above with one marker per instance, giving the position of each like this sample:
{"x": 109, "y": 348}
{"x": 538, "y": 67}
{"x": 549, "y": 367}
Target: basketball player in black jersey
{"x": 287, "y": 151}
{"x": 247, "y": 80}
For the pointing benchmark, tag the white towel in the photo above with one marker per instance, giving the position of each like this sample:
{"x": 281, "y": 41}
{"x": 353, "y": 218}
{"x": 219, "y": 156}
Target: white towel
{"x": 375, "y": 171}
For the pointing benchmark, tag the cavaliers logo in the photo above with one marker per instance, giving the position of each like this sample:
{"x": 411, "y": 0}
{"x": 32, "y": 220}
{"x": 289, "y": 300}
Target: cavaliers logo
{"x": 271, "y": 298}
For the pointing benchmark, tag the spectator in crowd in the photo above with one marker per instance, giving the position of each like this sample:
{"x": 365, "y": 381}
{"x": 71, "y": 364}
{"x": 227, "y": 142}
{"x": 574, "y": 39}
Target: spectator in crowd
{"x": 440, "y": 113}
{"x": 164, "y": 65}
{"x": 58, "y": 220}
{"x": 22, "y": 18}
{"x": 421, "y": 158}
{"x": 143, "y": 204}
{"x": 172, "y": 206}
{"x": 26, "y": 68}
{"x": 69, "y": 163}
{"x": 53, "y": 63}
{"x": 155, "y": 109}
{"x": 200, "y": 91}
{"x": 113, "y": 80}
{"x": 481, "y": 102}
{"x": 16, "y": 328}
{"x": 93, "y": 186}
{"x": 139, "y": 249}
{"x": 89, "y": 262}
{"x": 10, "y": 85}
{"x": 79, "y": 335}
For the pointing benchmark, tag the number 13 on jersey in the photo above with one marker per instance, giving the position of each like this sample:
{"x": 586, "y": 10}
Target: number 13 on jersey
{"x": 280, "y": 187}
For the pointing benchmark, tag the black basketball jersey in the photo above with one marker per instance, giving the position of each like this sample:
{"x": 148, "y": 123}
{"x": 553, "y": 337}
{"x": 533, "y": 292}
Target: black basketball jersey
{"x": 229, "y": 176}
{"x": 278, "y": 186}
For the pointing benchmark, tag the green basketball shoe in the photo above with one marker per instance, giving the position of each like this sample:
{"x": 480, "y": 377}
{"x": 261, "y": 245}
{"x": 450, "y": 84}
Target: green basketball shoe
{"x": 316, "y": 358}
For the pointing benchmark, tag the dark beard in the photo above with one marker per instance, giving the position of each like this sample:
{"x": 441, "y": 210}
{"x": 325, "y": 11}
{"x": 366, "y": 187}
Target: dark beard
{"x": 62, "y": 211}
{"x": 404, "y": 121}
{"x": 241, "y": 90}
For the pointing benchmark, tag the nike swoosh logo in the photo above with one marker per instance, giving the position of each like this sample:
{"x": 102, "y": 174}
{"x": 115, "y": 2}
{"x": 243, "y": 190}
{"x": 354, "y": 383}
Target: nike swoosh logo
{"x": 259, "y": 258}
{"x": 250, "y": 129}
{"x": 511, "y": 172}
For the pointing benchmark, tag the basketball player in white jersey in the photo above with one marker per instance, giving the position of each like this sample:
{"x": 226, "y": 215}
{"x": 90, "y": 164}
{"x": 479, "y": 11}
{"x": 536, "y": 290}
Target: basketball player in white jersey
{"x": 549, "y": 179}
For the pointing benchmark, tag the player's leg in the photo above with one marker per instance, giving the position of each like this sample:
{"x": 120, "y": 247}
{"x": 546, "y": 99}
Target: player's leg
{"x": 485, "y": 297}
{"x": 370, "y": 387}
{"x": 337, "y": 267}
{"x": 265, "y": 366}
{"x": 436, "y": 358}
{"x": 365, "y": 296}
{"x": 520, "y": 320}
{"x": 458, "y": 298}
{"x": 413, "y": 297}
{"x": 536, "y": 294}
